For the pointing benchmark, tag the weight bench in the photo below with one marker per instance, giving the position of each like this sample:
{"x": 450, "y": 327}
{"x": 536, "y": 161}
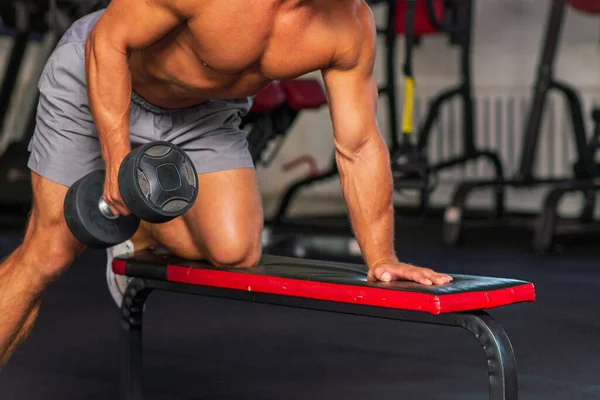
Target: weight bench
{"x": 325, "y": 286}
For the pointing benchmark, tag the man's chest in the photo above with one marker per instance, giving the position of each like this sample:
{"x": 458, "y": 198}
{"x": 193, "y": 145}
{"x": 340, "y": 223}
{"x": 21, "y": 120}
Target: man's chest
{"x": 274, "y": 47}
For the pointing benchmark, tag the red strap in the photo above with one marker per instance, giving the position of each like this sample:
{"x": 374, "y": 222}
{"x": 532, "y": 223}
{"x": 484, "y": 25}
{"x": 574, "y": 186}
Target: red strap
{"x": 422, "y": 24}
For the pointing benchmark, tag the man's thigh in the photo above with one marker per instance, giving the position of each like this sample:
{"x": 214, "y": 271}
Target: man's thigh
{"x": 225, "y": 223}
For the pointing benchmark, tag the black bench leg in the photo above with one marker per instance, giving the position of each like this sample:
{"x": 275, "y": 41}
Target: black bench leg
{"x": 132, "y": 312}
{"x": 502, "y": 365}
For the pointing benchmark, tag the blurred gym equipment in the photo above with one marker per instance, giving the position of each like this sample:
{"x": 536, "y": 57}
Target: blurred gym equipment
{"x": 434, "y": 17}
{"x": 28, "y": 21}
{"x": 547, "y": 226}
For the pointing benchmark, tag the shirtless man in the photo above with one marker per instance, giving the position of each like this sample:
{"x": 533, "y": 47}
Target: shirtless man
{"x": 184, "y": 71}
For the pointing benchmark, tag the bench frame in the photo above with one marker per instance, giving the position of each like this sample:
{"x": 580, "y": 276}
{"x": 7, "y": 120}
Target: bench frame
{"x": 490, "y": 334}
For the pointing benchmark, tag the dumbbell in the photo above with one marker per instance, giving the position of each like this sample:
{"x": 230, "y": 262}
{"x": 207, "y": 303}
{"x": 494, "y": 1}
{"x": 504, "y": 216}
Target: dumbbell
{"x": 157, "y": 182}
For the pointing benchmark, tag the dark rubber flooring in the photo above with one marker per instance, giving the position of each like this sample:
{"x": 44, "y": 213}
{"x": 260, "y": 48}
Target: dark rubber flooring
{"x": 202, "y": 348}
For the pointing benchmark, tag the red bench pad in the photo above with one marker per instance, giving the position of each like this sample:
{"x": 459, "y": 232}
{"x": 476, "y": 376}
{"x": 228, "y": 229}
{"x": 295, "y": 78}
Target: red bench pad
{"x": 268, "y": 99}
{"x": 332, "y": 281}
{"x": 304, "y": 94}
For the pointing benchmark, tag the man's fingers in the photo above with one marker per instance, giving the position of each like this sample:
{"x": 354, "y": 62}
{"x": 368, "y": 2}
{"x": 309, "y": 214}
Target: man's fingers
{"x": 423, "y": 276}
{"x": 115, "y": 207}
{"x": 383, "y": 274}
{"x": 440, "y": 279}
{"x": 425, "y": 281}
{"x": 444, "y": 279}
{"x": 429, "y": 277}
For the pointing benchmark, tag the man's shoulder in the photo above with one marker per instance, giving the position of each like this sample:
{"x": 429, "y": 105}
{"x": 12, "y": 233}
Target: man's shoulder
{"x": 355, "y": 36}
{"x": 184, "y": 8}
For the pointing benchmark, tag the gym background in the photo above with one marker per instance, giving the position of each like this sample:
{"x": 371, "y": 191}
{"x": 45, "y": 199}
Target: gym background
{"x": 507, "y": 38}
{"x": 507, "y": 43}
{"x": 73, "y": 352}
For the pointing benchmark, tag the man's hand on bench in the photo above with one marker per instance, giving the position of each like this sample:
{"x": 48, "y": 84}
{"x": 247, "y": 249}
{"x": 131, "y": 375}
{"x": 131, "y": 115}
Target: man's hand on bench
{"x": 397, "y": 271}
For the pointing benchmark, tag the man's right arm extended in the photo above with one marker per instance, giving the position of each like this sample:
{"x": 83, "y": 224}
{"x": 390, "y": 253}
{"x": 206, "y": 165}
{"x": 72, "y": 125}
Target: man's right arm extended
{"x": 126, "y": 25}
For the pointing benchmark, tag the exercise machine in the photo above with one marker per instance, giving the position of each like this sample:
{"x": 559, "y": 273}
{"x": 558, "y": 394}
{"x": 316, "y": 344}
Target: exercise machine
{"x": 547, "y": 226}
{"x": 410, "y": 166}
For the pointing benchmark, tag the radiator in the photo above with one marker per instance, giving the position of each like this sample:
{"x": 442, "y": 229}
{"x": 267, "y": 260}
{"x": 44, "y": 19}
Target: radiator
{"x": 501, "y": 114}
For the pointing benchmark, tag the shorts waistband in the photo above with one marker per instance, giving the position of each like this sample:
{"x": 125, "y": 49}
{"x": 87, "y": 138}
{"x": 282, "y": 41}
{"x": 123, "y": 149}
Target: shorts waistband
{"x": 150, "y": 107}
{"x": 243, "y": 103}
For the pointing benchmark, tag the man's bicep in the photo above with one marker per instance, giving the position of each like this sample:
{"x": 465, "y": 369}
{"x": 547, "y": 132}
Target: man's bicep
{"x": 352, "y": 96}
{"x": 134, "y": 24}
{"x": 352, "y": 99}
{"x": 352, "y": 89}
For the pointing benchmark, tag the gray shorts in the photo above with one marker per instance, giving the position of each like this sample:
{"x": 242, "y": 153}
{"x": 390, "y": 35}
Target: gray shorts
{"x": 65, "y": 144}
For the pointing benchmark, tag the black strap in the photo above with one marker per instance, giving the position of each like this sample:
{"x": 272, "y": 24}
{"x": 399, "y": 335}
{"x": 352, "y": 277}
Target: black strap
{"x": 409, "y": 36}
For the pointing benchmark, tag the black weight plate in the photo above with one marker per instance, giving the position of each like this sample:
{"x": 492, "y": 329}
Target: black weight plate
{"x": 158, "y": 182}
{"x": 86, "y": 222}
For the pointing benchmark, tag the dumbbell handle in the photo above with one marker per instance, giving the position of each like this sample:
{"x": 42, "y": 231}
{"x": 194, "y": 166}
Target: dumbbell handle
{"x": 105, "y": 209}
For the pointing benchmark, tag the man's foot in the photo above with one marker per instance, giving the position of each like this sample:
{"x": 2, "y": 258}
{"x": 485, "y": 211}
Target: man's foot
{"x": 117, "y": 284}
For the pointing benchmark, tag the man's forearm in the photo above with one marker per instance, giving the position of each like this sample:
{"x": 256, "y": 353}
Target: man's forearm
{"x": 367, "y": 187}
{"x": 109, "y": 93}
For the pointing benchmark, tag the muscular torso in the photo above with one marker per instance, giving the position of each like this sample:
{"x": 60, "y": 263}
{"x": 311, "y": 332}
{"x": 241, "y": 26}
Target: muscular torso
{"x": 232, "y": 49}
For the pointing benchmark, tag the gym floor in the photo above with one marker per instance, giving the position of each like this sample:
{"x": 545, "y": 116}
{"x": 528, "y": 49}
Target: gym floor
{"x": 203, "y": 348}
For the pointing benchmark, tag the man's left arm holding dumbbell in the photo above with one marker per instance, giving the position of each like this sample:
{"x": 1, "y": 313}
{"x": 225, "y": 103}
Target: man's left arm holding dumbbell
{"x": 109, "y": 88}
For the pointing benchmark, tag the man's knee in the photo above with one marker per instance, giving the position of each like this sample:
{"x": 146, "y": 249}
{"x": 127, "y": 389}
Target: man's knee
{"x": 238, "y": 253}
{"x": 56, "y": 261}
{"x": 49, "y": 250}
{"x": 48, "y": 247}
